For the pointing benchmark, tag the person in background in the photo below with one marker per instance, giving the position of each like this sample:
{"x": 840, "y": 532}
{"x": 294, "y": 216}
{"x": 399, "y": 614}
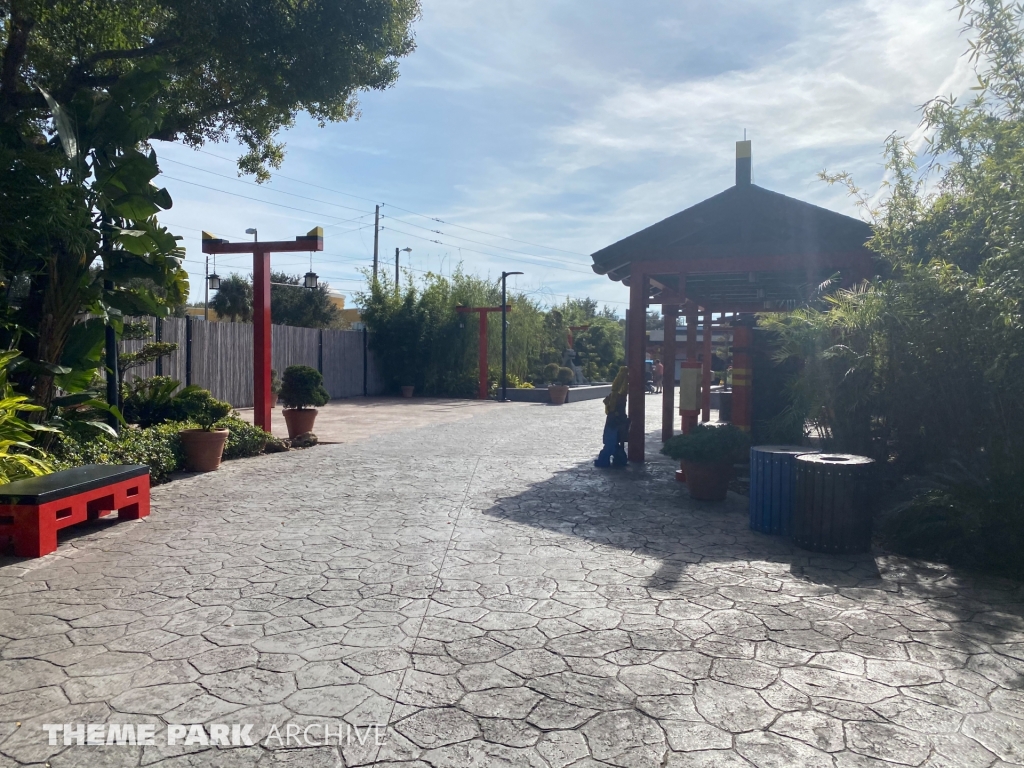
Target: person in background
{"x": 616, "y": 424}
{"x": 659, "y": 375}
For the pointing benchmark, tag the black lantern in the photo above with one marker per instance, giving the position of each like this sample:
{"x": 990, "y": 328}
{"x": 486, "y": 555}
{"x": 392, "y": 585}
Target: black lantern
{"x": 310, "y": 280}
{"x": 213, "y": 282}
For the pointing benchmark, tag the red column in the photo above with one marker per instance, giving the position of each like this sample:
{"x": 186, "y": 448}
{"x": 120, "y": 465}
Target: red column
{"x": 705, "y": 381}
{"x": 689, "y": 418}
{"x": 482, "y": 394}
{"x": 637, "y": 330}
{"x": 668, "y": 396}
{"x": 261, "y": 338}
{"x": 742, "y": 380}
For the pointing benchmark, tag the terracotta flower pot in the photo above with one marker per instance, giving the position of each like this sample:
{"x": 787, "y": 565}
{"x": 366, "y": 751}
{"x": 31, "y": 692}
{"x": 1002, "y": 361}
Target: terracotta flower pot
{"x": 203, "y": 450}
{"x": 558, "y": 393}
{"x": 299, "y": 420}
{"x": 407, "y": 391}
{"x": 273, "y": 399}
{"x": 707, "y": 482}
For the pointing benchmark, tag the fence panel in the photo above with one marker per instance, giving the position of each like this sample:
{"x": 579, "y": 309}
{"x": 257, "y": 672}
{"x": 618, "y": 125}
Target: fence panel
{"x": 220, "y": 355}
{"x": 222, "y": 360}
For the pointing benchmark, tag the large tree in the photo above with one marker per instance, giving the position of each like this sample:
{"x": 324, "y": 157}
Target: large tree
{"x": 86, "y": 86}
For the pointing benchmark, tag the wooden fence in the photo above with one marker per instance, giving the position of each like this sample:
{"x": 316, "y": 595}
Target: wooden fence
{"x": 218, "y": 357}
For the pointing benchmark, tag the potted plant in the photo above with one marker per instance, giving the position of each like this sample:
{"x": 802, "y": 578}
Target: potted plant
{"x": 302, "y": 392}
{"x": 558, "y": 379}
{"x": 407, "y": 390}
{"x": 204, "y": 447}
{"x": 707, "y": 455}
{"x": 275, "y": 388}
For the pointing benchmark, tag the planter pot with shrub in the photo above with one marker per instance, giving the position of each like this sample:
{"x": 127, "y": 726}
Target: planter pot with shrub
{"x": 302, "y": 392}
{"x": 204, "y": 447}
{"x": 557, "y": 393}
{"x": 707, "y": 455}
{"x": 559, "y": 379}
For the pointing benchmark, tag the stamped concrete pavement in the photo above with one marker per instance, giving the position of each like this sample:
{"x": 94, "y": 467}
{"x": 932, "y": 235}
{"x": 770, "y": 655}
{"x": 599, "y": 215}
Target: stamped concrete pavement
{"x": 481, "y": 593}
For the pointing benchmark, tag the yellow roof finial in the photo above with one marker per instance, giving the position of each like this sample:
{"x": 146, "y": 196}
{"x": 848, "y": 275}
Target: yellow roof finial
{"x": 208, "y": 236}
{"x": 315, "y": 232}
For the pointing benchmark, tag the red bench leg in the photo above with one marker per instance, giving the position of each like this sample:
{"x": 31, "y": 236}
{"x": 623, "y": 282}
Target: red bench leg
{"x": 136, "y": 494}
{"x": 33, "y": 531}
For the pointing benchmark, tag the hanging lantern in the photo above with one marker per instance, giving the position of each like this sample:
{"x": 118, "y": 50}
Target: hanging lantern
{"x": 213, "y": 282}
{"x": 310, "y": 277}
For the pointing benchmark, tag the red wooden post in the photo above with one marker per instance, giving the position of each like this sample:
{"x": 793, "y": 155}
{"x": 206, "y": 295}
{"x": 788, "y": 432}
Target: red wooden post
{"x": 638, "y": 290}
{"x": 482, "y": 394}
{"x": 312, "y": 241}
{"x": 668, "y": 393}
{"x": 705, "y": 381}
{"x": 689, "y": 418}
{"x": 742, "y": 379}
{"x": 261, "y": 338}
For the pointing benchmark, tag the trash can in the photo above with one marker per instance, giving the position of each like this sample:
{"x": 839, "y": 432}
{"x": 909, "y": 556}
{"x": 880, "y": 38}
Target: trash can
{"x": 771, "y": 487}
{"x": 834, "y": 502}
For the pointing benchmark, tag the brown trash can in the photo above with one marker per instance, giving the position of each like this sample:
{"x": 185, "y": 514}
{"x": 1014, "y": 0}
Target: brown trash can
{"x": 834, "y": 502}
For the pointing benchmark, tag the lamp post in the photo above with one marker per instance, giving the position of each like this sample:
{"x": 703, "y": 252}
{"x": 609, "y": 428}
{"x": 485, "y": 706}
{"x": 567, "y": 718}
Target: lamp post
{"x": 313, "y": 241}
{"x": 504, "y": 335}
{"x": 404, "y": 250}
{"x": 255, "y": 234}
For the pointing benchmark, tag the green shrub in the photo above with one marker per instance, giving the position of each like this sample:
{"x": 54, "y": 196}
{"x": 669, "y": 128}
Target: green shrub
{"x": 275, "y": 382}
{"x": 244, "y": 439}
{"x": 710, "y": 445}
{"x": 566, "y": 376}
{"x": 551, "y": 372}
{"x": 197, "y": 404}
{"x": 303, "y": 387}
{"x": 158, "y": 447}
{"x": 149, "y": 401}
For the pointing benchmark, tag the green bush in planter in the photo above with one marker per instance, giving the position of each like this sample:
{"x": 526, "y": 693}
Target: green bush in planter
{"x": 197, "y": 404}
{"x": 551, "y": 372}
{"x": 244, "y": 439}
{"x": 566, "y": 376}
{"x": 726, "y": 444}
{"x": 303, "y": 387}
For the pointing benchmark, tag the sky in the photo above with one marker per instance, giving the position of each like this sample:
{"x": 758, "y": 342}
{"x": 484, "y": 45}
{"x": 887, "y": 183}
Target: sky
{"x": 523, "y": 135}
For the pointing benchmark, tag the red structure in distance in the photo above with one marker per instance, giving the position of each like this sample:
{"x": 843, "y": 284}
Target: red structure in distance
{"x": 313, "y": 241}
{"x": 482, "y": 392}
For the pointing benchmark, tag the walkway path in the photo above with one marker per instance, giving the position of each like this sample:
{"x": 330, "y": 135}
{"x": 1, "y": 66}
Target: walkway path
{"x": 497, "y": 601}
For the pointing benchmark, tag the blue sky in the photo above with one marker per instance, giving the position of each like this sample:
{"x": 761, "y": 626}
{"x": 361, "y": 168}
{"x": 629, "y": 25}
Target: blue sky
{"x": 555, "y": 128}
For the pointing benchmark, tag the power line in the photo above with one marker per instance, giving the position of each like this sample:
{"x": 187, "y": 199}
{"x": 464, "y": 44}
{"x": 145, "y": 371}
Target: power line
{"x": 414, "y": 213}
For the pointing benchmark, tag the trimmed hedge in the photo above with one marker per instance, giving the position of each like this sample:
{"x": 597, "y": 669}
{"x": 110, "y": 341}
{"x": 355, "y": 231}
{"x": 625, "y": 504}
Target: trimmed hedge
{"x": 159, "y": 447}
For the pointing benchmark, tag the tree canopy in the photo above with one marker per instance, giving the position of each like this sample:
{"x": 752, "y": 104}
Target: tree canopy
{"x": 85, "y": 89}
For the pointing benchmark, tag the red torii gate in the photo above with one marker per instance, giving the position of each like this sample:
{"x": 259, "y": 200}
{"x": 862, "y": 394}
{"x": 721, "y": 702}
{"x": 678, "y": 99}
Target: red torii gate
{"x": 313, "y": 241}
{"x": 484, "y": 311}
{"x": 745, "y": 250}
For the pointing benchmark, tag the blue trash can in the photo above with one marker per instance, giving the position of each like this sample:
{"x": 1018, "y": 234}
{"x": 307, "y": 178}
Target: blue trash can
{"x": 772, "y": 487}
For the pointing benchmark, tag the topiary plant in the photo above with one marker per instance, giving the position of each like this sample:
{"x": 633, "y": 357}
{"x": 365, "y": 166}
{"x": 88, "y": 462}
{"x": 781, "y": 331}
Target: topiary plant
{"x": 566, "y": 376}
{"x": 197, "y": 404}
{"x": 275, "y": 382}
{"x": 551, "y": 372}
{"x": 303, "y": 387}
{"x": 726, "y": 444}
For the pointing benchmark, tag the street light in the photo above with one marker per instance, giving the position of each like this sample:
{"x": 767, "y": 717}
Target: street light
{"x": 309, "y": 280}
{"x": 255, "y": 235}
{"x": 212, "y": 284}
{"x": 504, "y": 335}
{"x": 404, "y": 250}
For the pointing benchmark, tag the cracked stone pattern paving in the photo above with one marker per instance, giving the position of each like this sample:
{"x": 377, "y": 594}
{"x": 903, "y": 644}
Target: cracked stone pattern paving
{"x": 497, "y": 601}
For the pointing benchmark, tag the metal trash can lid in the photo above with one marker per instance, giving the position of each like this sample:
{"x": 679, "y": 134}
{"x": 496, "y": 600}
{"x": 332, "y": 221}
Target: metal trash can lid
{"x": 835, "y": 459}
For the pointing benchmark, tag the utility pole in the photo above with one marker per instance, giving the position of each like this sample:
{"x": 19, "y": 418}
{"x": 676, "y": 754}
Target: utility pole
{"x": 504, "y": 336}
{"x": 376, "y": 239}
